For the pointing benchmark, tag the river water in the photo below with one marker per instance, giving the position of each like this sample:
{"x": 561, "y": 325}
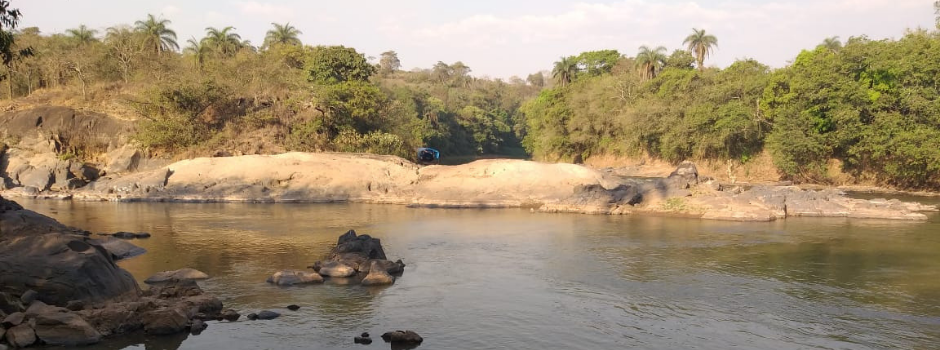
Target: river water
{"x": 512, "y": 279}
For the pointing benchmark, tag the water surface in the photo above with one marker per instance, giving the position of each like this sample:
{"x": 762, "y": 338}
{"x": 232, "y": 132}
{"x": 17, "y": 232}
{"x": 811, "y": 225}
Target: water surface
{"x": 512, "y": 279}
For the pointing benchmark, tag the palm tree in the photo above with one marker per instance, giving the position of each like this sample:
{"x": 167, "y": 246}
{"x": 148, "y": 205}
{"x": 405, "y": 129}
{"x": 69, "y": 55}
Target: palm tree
{"x": 649, "y": 61}
{"x": 82, "y": 34}
{"x": 225, "y": 42}
{"x": 565, "y": 70}
{"x": 832, "y": 44}
{"x": 157, "y": 35}
{"x": 199, "y": 50}
{"x": 285, "y": 34}
{"x": 700, "y": 45}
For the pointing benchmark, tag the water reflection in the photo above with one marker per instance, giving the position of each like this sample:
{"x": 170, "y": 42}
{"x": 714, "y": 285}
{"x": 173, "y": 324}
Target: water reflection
{"x": 496, "y": 279}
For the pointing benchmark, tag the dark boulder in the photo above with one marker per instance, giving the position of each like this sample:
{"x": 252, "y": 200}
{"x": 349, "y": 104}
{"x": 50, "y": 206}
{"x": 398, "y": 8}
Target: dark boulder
{"x": 29, "y": 296}
{"x": 362, "y": 340}
{"x": 197, "y": 327}
{"x": 365, "y": 245}
{"x": 231, "y": 315}
{"x": 402, "y": 337}
{"x": 268, "y": 315}
{"x": 293, "y": 307}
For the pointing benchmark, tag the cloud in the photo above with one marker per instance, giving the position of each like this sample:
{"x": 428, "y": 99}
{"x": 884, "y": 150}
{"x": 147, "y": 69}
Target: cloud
{"x": 170, "y": 10}
{"x": 265, "y": 9}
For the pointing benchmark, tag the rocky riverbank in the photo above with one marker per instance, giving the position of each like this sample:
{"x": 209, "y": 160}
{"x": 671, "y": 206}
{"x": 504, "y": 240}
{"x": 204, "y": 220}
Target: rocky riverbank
{"x": 493, "y": 183}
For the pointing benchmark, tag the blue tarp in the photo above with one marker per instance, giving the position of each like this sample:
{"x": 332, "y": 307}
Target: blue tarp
{"x": 424, "y": 151}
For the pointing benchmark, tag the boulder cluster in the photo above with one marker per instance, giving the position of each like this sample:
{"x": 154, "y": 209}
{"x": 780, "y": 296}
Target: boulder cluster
{"x": 357, "y": 257}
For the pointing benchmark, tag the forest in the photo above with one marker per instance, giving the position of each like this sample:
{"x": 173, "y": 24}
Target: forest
{"x": 871, "y": 105}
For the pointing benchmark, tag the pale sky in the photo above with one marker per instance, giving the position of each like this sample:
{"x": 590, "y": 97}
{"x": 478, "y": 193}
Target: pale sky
{"x": 511, "y": 37}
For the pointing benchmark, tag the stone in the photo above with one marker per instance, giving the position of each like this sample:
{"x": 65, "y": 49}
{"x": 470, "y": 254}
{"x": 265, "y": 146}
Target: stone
{"x": 65, "y": 329}
{"x": 40, "y": 178}
{"x": 165, "y": 321}
{"x": 393, "y": 268}
{"x": 364, "y": 334}
{"x": 123, "y": 235}
{"x": 293, "y": 307}
{"x": 13, "y": 320}
{"x": 292, "y": 277}
{"x": 362, "y": 340}
{"x": 230, "y": 315}
{"x": 336, "y": 269}
{"x": 377, "y": 275}
{"x": 29, "y": 297}
{"x": 142, "y": 235}
{"x": 268, "y": 315}
{"x": 197, "y": 327}
{"x": 21, "y": 336}
{"x": 75, "y": 305}
{"x": 252, "y": 316}
{"x": 365, "y": 245}
{"x": 181, "y": 274}
{"x": 402, "y": 337}
{"x": 119, "y": 248}
{"x": 124, "y": 159}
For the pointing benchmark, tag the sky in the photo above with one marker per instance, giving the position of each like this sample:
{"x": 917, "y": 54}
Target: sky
{"x": 504, "y": 38}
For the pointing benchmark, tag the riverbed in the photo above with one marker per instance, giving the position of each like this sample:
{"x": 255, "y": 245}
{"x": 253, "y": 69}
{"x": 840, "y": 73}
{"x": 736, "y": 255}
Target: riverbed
{"x": 513, "y": 279}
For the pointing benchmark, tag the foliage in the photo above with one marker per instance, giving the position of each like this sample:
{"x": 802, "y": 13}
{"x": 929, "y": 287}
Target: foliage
{"x": 701, "y": 45}
{"x": 336, "y": 64}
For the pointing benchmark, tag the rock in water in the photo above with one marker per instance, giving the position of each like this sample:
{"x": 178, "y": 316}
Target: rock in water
{"x": 402, "y": 337}
{"x": 65, "y": 329}
{"x": 231, "y": 315}
{"x": 336, "y": 269}
{"x": 377, "y": 275}
{"x": 197, "y": 327}
{"x": 165, "y": 321}
{"x": 119, "y": 248}
{"x": 293, "y": 307}
{"x": 178, "y": 275}
{"x": 362, "y": 340}
{"x": 364, "y": 245}
{"x": 292, "y": 277}
{"x": 268, "y": 315}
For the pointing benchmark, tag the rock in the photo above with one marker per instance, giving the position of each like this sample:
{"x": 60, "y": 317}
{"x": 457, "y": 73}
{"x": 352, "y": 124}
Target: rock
{"x": 181, "y": 274}
{"x": 21, "y": 336}
{"x": 165, "y": 321}
{"x": 230, "y": 315}
{"x": 75, "y": 305}
{"x": 364, "y": 334}
{"x": 175, "y": 289}
{"x": 365, "y": 245}
{"x": 38, "y": 308}
{"x": 13, "y": 320}
{"x": 402, "y": 337}
{"x": 377, "y": 275}
{"x": 336, "y": 269}
{"x": 119, "y": 249}
{"x": 293, "y": 307}
{"x": 64, "y": 328}
{"x": 141, "y": 235}
{"x": 118, "y": 318}
{"x": 123, "y": 235}
{"x": 122, "y": 160}
{"x": 29, "y": 296}
{"x": 3, "y": 332}
{"x": 362, "y": 340}
{"x": 197, "y": 327}
{"x": 60, "y": 265}
{"x": 84, "y": 172}
{"x": 292, "y": 277}
{"x": 392, "y": 268}
{"x": 267, "y": 315}
{"x": 9, "y": 304}
{"x": 40, "y": 178}
{"x": 252, "y": 316}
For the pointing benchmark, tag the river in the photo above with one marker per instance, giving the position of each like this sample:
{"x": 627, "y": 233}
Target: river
{"x": 512, "y": 279}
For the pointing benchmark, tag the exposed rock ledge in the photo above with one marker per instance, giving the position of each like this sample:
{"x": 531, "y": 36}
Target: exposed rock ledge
{"x": 495, "y": 183}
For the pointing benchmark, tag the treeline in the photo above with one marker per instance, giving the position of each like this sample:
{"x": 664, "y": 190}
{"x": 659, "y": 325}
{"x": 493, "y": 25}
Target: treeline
{"x": 212, "y": 91}
{"x": 870, "y": 104}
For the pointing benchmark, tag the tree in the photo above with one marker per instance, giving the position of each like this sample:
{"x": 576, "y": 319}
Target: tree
{"x": 700, "y": 45}
{"x": 157, "y": 36}
{"x": 595, "y": 63}
{"x": 335, "y": 64}
{"x": 389, "y": 63}
{"x": 442, "y": 72}
{"x": 125, "y": 46}
{"x": 224, "y": 42}
{"x": 680, "y": 59}
{"x": 832, "y": 44}
{"x": 536, "y": 80}
{"x": 198, "y": 49}
{"x": 565, "y": 70}
{"x": 936, "y": 13}
{"x": 649, "y": 61}
{"x": 284, "y": 34}
{"x": 9, "y": 18}
{"x": 83, "y": 35}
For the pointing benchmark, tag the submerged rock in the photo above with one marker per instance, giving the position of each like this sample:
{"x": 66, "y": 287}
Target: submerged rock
{"x": 177, "y": 275}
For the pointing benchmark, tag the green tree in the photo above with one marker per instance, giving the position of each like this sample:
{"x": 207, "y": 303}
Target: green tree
{"x": 536, "y": 80}
{"x": 680, "y": 59}
{"x": 125, "y": 46}
{"x": 158, "y": 37}
{"x": 565, "y": 70}
{"x": 700, "y": 45}
{"x": 199, "y": 49}
{"x": 650, "y": 61}
{"x": 224, "y": 42}
{"x": 83, "y": 35}
{"x": 283, "y": 34}
{"x": 595, "y": 63}
{"x": 335, "y": 64}
{"x": 9, "y": 18}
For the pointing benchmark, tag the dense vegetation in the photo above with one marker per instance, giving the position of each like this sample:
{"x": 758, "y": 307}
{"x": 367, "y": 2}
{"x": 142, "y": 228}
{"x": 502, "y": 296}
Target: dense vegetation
{"x": 872, "y": 105}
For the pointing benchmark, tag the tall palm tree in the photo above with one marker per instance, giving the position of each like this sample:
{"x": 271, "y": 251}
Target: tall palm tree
{"x": 649, "y": 61}
{"x": 565, "y": 70}
{"x": 157, "y": 36}
{"x": 225, "y": 42}
{"x": 282, "y": 34}
{"x": 199, "y": 49}
{"x": 700, "y": 45}
{"x": 832, "y": 44}
{"x": 82, "y": 34}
